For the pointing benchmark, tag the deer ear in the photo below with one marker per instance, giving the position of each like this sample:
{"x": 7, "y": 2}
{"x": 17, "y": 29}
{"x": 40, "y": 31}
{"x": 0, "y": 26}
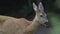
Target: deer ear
{"x": 34, "y": 6}
{"x": 40, "y": 6}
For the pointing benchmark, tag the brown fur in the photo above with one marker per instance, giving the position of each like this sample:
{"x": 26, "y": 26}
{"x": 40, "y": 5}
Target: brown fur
{"x": 10, "y": 25}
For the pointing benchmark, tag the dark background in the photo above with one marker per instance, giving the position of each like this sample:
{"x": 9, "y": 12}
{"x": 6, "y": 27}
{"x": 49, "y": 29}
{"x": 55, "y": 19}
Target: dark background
{"x": 23, "y": 8}
{"x": 16, "y": 8}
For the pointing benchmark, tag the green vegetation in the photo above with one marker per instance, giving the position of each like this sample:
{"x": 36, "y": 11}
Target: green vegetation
{"x": 55, "y": 23}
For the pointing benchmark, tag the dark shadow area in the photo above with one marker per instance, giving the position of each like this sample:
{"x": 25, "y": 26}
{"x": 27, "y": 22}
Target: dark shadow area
{"x": 17, "y": 8}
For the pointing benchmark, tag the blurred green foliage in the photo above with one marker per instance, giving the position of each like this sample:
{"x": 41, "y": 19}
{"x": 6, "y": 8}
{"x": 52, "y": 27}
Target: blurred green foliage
{"x": 55, "y": 23}
{"x": 57, "y": 4}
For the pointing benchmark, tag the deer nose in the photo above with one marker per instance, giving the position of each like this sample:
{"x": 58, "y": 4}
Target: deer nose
{"x": 47, "y": 24}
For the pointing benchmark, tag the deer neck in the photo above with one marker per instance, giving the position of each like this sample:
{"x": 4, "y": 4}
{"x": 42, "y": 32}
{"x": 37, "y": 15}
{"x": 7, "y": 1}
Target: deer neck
{"x": 35, "y": 23}
{"x": 34, "y": 26}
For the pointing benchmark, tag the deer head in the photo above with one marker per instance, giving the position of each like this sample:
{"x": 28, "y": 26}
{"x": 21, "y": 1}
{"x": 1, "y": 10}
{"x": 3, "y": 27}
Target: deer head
{"x": 41, "y": 16}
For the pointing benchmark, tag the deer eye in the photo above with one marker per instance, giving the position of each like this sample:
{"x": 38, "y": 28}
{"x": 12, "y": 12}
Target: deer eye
{"x": 41, "y": 15}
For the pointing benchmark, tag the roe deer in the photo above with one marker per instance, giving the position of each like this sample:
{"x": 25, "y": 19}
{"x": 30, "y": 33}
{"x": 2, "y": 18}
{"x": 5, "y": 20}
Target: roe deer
{"x": 10, "y": 25}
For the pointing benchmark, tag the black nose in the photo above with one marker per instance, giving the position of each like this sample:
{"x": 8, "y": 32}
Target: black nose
{"x": 47, "y": 24}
